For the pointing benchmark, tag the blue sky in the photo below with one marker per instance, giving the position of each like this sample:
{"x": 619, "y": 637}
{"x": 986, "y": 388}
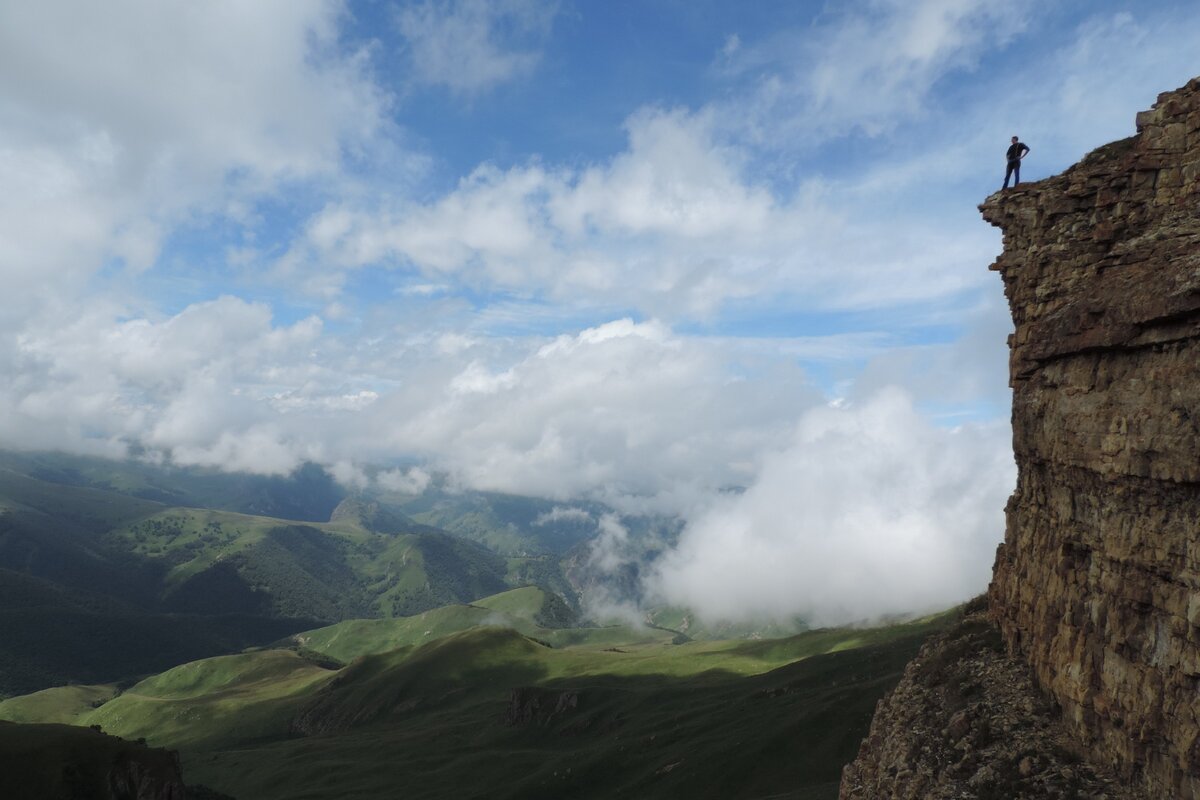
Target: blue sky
{"x": 634, "y": 251}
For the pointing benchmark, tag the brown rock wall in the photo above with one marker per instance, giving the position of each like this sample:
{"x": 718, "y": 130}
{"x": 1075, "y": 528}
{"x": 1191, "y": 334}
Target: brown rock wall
{"x": 1097, "y": 583}
{"x": 966, "y": 721}
{"x": 1096, "y": 588}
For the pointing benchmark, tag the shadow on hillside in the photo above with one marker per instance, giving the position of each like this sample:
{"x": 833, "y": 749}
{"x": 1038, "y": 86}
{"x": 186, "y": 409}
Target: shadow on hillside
{"x": 504, "y": 731}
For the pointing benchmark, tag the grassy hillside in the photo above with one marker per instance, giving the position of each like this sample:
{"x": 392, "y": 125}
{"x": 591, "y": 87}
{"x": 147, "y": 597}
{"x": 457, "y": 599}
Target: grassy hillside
{"x": 686, "y": 622}
{"x": 218, "y": 701}
{"x": 465, "y": 709}
{"x": 327, "y": 571}
{"x": 511, "y": 525}
{"x": 53, "y": 635}
{"x": 529, "y": 610}
{"x": 491, "y": 714}
{"x": 98, "y": 586}
{"x": 62, "y": 704}
{"x": 205, "y": 561}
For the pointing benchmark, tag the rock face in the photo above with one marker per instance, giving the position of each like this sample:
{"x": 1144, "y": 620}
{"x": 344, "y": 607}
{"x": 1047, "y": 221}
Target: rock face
{"x": 1097, "y": 584}
{"x": 1096, "y": 588}
{"x": 63, "y": 762}
{"x": 966, "y": 721}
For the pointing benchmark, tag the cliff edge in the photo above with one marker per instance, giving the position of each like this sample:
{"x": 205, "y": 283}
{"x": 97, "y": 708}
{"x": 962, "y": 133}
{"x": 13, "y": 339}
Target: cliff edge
{"x": 1096, "y": 588}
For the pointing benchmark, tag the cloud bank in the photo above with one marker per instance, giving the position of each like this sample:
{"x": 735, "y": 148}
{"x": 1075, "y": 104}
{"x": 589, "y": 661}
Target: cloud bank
{"x": 868, "y": 508}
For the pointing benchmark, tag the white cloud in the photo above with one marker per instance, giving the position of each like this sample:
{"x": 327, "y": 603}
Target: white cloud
{"x": 197, "y": 385}
{"x": 866, "y": 66}
{"x": 119, "y": 120}
{"x": 671, "y": 226}
{"x": 259, "y": 449}
{"x": 621, "y": 408}
{"x": 469, "y": 46}
{"x": 560, "y": 513}
{"x": 870, "y": 510}
{"x": 413, "y": 480}
{"x": 674, "y": 179}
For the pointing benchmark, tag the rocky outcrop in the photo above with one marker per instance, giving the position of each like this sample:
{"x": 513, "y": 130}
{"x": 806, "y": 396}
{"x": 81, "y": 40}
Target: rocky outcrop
{"x": 1096, "y": 587}
{"x": 533, "y": 705}
{"x": 53, "y": 762}
{"x": 966, "y": 721}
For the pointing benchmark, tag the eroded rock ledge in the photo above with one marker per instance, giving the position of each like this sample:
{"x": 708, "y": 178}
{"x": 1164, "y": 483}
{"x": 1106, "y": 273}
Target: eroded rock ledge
{"x": 1097, "y": 585}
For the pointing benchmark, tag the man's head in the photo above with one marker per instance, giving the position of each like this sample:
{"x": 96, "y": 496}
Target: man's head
{"x": 1014, "y": 140}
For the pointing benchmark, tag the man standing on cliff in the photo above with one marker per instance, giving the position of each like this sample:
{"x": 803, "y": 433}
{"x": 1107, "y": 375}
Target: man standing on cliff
{"x": 1015, "y": 153}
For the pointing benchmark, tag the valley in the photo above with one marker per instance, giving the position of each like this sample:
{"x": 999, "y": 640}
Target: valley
{"x": 374, "y": 649}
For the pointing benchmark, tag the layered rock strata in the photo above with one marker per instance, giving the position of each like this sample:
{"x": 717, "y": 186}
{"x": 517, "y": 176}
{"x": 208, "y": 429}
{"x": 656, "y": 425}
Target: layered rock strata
{"x": 1097, "y": 584}
{"x": 1096, "y": 588}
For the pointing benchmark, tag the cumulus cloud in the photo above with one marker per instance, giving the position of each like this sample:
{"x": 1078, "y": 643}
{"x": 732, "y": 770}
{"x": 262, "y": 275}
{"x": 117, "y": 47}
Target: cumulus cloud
{"x": 621, "y": 408}
{"x": 469, "y": 46}
{"x": 869, "y": 510}
{"x": 672, "y": 226}
{"x": 118, "y": 120}
{"x": 196, "y": 385}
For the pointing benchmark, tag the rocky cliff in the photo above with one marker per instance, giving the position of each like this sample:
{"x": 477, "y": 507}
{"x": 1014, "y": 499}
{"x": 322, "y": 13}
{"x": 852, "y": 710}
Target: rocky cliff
{"x": 1096, "y": 588}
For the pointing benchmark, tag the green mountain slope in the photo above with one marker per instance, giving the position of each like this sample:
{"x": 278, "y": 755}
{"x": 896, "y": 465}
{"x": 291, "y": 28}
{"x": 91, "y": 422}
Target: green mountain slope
{"x": 489, "y": 713}
{"x": 217, "y": 701}
{"x": 529, "y": 610}
{"x": 97, "y": 586}
{"x": 486, "y": 711}
{"x": 53, "y": 635}
{"x": 309, "y": 494}
{"x": 62, "y": 704}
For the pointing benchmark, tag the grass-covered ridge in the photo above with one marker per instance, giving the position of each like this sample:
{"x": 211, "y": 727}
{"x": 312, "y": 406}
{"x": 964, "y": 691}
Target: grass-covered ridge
{"x": 492, "y": 713}
{"x": 455, "y": 714}
{"x": 213, "y": 702}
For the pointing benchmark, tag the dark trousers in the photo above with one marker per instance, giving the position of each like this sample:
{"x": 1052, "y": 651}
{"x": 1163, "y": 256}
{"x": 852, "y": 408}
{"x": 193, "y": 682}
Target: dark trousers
{"x": 1014, "y": 172}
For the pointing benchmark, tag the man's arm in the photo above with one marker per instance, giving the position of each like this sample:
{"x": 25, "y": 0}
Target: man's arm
{"x": 1024, "y": 150}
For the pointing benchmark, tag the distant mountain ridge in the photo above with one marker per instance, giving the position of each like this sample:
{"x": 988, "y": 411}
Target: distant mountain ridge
{"x": 88, "y": 568}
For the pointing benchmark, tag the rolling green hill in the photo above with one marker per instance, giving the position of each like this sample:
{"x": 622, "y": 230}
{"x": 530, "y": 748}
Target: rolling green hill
{"x": 98, "y": 586}
{"x": 62, "y": 704}
{"x": 515, "y": 722}
{"x": 471, "y": 700}
{"x": 529, "y": 610}
{"x": 217, "y": 701}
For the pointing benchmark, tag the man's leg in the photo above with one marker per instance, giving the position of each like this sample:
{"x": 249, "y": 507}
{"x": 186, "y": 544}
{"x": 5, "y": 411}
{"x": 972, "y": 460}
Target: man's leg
{"x": 1008, "y": 174}
{"x": 1016, "y": 174}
